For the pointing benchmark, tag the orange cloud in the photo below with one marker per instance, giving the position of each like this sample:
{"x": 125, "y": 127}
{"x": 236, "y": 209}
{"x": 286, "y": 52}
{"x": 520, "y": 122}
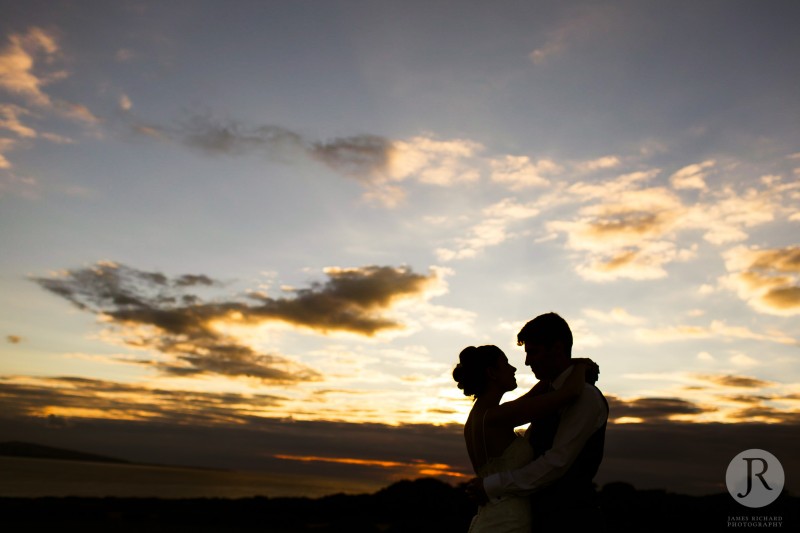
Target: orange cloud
{"x": 17, "y": 61}
{"x": 767, "y": 279}
{"x": 414, "y": 468}
{"x": 630, "y": 230}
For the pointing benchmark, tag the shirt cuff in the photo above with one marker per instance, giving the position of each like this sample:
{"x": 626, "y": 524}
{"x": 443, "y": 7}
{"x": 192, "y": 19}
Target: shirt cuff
{"x": 493, "y": 487}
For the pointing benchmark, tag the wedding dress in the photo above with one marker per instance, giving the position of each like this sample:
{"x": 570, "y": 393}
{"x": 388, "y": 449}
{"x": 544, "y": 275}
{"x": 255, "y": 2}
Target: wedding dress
{"x": 511, "y": 513}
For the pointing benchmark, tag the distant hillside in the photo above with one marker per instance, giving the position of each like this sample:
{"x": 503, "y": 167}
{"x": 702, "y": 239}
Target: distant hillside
{"x": 419, "y": 506}
{"x": 28, "y": 449}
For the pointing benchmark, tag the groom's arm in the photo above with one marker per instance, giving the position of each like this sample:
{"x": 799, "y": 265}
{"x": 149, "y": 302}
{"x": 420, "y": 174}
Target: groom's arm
{"x": 582, "y": 418}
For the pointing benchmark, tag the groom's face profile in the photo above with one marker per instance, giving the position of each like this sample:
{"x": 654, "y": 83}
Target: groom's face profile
{"x": 544, "y": 360}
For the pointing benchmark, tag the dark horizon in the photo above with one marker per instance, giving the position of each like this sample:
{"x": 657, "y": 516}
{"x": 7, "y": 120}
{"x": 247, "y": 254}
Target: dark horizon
{"x": 676, "y": 457}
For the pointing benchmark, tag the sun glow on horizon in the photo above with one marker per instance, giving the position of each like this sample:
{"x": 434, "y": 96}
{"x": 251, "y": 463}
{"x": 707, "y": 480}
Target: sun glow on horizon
{"x": 416, "y": 468}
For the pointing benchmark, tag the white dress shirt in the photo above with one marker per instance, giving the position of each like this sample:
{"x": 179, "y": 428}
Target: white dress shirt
{"x": 579, "y": 420}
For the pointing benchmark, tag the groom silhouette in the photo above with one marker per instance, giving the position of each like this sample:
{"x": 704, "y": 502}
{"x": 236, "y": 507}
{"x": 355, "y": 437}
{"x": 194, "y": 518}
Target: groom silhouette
{"x": 567, "y": 446}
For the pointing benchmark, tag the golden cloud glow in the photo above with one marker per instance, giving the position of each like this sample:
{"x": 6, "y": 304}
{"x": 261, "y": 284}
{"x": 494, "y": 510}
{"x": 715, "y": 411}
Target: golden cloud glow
{"x": 17, "y": 61}
{"x": 720, "y": 398}
{"x": 432, "y": 161}
{"x": 628, "y": 420}
{"x": 767, "y": 279}
{"x": 629, "y": 230}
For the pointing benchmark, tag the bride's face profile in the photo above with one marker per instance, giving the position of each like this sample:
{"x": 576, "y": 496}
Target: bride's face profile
{"x": 504, "y": 374}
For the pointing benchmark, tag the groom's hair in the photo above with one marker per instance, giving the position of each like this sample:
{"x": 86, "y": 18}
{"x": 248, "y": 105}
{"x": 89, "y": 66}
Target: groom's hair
{"x": 546, "y": 329}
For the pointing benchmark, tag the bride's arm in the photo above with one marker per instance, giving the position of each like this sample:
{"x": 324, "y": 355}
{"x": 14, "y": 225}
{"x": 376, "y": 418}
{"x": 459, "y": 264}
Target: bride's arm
{"x": 533, "y": 406}
{"x": 539, "y": 388}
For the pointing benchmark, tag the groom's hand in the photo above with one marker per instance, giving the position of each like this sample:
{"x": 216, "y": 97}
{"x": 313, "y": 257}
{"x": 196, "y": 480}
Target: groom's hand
{"x": 475, "y": 492}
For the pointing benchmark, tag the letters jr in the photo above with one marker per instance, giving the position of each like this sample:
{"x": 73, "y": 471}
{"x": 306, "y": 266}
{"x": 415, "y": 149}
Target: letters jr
{"x": 760, "y": 475}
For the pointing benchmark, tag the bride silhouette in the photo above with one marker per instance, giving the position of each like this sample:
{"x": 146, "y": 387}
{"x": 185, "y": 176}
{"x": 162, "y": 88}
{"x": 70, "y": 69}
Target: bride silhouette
{"x": 485, "y": 373}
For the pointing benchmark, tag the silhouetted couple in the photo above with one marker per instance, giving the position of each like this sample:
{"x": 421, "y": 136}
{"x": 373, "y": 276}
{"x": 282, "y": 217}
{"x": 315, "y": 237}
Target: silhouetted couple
{"x": 542, "y": 481}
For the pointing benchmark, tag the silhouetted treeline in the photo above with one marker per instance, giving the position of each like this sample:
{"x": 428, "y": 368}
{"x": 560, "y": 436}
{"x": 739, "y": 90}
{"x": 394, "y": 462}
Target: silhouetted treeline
{"x": 421, "y": 506}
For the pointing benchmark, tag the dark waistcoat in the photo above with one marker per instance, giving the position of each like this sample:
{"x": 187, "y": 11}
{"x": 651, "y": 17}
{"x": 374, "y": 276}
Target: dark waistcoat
{"x": 574, "y": 490}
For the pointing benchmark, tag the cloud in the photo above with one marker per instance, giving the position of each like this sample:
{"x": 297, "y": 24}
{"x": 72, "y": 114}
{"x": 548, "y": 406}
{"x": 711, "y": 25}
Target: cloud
{"x": 361, "y": 157}
{"x": 692, "y": 176}
{"x": 27, "y": 64}
{"x": 77, "y": 112}
{"x": 10, "y": 182}
{"x": 518, "y": 172}
{"x": 601, "y": 163}
{"x": 353, "y": 299}
{"x": 584, "y": 24}
{"x": 624, "y": 231}
{"x": 21, "y": 73}
{"x": 716, "y": 329}
{"x": 705, "y": 356}
{"x": 491, "y": 231}
{"x": 376, "y": 162}
{"x": 628, "y": 229}
{"x": 371, "y": 159}
{"x": 55, "y": 138}
{"x": 740, "y": 359}
{"x": 77, "y": 397}
{"x": 152, "y": 311}
{"x": 652, "y": 409}
{"x": 405, "y": 470}
{"x": 10, "y": 120}
{"x": 551, "y": 48}
{"x": 735, "y": 381}
{"x": 375, "y": 453}
{"x": 125, "y": 103}
{"x": 617, "y": 315}
{"x": 639, "y": 263}
{"x": 767, "y": 279}
{"x": 432, "y": 161}
{"x": 5, "y": 146}
{"x": 726, "y": 215}
{"x": 721, "y": 397}
{"x": 17, "y": 62}
{"x": 646, "y": 454}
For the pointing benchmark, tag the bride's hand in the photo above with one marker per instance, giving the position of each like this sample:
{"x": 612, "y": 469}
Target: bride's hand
{"x": 573, "y": 386}
{"x": 591, "y": 368}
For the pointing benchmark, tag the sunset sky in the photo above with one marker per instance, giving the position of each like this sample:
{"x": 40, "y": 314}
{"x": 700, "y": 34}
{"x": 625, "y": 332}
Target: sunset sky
{"x": 270, "y": 215}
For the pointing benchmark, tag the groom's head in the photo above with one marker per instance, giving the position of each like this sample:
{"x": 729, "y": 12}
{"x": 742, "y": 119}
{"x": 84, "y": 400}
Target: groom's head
{"x": 548, "y": 345}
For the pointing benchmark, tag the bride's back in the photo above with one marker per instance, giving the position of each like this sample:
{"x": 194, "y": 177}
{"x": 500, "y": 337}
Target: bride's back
{"x": 488, "y": 445}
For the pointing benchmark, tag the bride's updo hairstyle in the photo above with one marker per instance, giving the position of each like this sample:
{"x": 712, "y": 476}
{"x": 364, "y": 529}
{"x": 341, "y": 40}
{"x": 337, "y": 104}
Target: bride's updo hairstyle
{"x": 470, "y": 372}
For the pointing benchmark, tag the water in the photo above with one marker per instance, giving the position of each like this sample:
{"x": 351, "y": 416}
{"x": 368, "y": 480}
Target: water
{"x": 31, "y": 478}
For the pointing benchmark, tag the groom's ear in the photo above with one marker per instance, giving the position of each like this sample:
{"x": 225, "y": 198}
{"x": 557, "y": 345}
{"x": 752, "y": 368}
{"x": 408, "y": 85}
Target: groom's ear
{"x": 559, "y": 349}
